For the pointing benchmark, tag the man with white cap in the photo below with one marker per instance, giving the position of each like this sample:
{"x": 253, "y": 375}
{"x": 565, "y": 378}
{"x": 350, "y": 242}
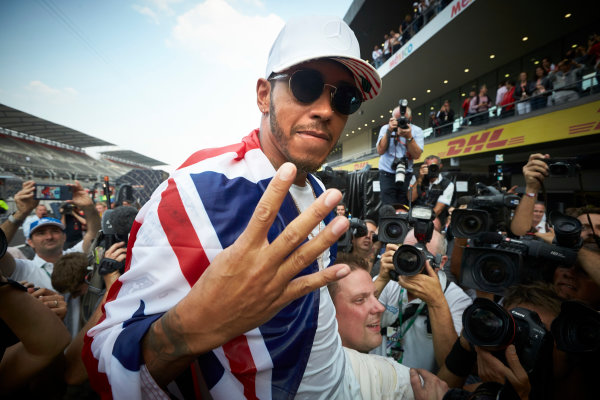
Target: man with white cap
{"x": 216, "y": 302}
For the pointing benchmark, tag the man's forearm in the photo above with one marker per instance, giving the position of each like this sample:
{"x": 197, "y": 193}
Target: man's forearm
{"x": 92, "y": 219}
{"x": 442, "y": 329}
{"x": 521, "y": 222}
{"x": 414, "y": 150}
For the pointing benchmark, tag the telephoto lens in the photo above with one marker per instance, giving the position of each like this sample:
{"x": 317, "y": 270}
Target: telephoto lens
{"x": 400, "y": 172}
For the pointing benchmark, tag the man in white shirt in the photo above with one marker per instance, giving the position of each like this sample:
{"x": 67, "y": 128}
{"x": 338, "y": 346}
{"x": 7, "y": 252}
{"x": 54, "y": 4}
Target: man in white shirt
{"x": 416, "y": 338}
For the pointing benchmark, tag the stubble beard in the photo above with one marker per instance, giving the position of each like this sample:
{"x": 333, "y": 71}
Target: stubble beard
{"x": 302, "y": 164}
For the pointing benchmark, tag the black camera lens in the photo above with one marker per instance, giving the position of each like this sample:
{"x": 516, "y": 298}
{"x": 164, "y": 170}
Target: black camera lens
{"x": 488, "y": 325}
{"x": 408, "y": 260}
{"x": 493, "y": 269}
{"x": 577, "y": 328}
{"x": 567, "y": 230}
{"x": 394, "y": 231}
{"x": 471, "y": 224}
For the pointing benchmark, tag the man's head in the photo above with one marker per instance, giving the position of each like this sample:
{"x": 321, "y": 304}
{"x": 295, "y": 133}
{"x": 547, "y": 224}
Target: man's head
{"x": 362, "y": 245}
{"x": 101, "y": 207}
{"x": 575, "y": 284}
{"x": 315, "y": 78}
{"x": 472, "y": 93}
{"x": 341, "y": 209}
{"x": 47, "y": 237}
{"x": 523, "y": 76}
{"x": 69, "y": 273}
{"x": 358, "y": 312}
{"x": 538, "y": 297}
{"x": 587, "y": 234}
{"x": 539, "y": 209}
{"x": 396, "y": 113}
{"x": 483, "y": 90}
{"x": 432, "y": 173}
{"x": 41, "y": 211}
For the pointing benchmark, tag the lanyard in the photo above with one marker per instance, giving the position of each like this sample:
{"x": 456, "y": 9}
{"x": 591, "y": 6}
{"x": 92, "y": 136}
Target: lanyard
{"x": 397, "y": 337}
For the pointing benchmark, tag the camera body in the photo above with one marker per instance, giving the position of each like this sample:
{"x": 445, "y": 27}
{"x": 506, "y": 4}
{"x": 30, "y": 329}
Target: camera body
{"x": 492, "y": 269}
{"x": 563, "y": 167}
{"x": 66, "y": 208}
{"x": 488, "y": 325}
{"x": 393, "y": 228}
{"x": 402, "y": 120}
{"x": 488, "y": 211}
{"x": 358, "y": 228}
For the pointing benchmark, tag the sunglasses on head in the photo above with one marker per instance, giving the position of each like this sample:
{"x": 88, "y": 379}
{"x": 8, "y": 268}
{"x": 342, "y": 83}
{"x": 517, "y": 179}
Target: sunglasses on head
{"x": 307, "y": 85}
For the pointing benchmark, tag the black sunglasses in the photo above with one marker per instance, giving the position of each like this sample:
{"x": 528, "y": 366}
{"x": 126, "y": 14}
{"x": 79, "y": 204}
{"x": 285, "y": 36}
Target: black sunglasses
{"x": 307, "y": 85}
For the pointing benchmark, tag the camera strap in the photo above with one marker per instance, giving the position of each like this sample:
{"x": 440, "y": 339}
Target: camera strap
{"x": 395, "y": 335}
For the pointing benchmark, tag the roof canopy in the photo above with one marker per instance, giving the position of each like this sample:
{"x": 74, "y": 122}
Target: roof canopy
{"x": 129, "y": 155}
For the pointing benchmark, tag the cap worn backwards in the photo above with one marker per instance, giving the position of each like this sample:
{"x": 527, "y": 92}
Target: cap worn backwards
{"x": 315, "y": 37}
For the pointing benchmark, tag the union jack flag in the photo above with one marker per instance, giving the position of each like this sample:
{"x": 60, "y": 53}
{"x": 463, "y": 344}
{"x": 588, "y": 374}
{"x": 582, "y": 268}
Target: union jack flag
{"x": 200, "y": 210}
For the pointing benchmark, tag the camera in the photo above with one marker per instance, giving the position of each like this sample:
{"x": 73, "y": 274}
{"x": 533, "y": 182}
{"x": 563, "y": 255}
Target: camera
{"x": 410, "y": 260}
{"x": 399, "y": 165}
{"x": 565, "y": 167}
{"x": 403, "y": 121}
{"x": 392, "y": 227}
{"x": 67, "y": 208}
{"x": 358, "y": 228}
{"x": 488, "y": 211}
{"x": 492, "y": 270}
{"x": 488, "y": 325}
{"x": 567, "y": 230}
{"x": 433, "y": 171}
{"x": 577, "y": 328}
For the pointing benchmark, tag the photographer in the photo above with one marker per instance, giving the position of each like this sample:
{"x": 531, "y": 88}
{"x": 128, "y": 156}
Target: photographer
{"x": 534, "y": 173}
{"x": 432, "y": 189}
{"x": 363, "y": 246}
{"x": 73, "y": 222}
{"x": 424, "y": 310}
{"x": 399, "y": 143}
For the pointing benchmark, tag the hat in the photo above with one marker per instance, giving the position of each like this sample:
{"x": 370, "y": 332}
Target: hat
{"x": 43, "y": 222}
{"x": 309, "y": 38}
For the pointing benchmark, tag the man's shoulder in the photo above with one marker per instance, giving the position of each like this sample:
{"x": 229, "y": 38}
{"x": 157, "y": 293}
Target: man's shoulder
{"x": 456, "y": 296}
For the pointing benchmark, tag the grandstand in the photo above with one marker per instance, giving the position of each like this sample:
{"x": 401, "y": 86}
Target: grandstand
{"x": 33, "y": 148}
{"x": 466, "y": 44}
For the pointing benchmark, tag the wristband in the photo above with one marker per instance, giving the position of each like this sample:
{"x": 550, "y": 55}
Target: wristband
{"x": 460, "y": 361}
{"x": 532, "y": 195}
{"x": 410, "y": 139}
{"x": 13, "y": 220}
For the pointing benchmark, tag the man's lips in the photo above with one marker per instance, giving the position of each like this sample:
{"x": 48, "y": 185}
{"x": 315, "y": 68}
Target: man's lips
{"x": 315, "y": 134}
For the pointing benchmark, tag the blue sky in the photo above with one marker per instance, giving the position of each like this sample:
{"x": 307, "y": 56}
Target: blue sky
{"x": 160, "y": 77}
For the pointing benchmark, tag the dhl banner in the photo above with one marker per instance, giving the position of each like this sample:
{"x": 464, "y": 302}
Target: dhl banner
{"x": 573, "y": 122}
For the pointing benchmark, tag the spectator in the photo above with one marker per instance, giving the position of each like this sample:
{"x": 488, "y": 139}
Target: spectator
{"x": 479, "y": 107}
{"x": 357, "y": 310}
{"x": 523, "y": 91}
{"x": 433, "y": 124}
{"x": 68, "y": 276}
{"x": 566, "y": 81}
{"x": 40, "y": 212}
{"x": 445, "y": 118}
{"x": 508, "y": 101}
{"x": 405, "y": 28}
{"x": 362, "y": 247}
{"x": 377, "y": 56}
{"x": 430, "y": 188}
{"x": 101, "y": 207}
{"x": 396, "y": 145}
{"x": 387, "y": 47}
{"x": 421, "y": 339}
{"x": 500, "y": 95}
{"x": 542, "y": 89}
{"x": 548, "y": 65}
{"x": 231, "y": 292}
{"x": 341, "y": 209}
{"x": 395, "y": 41}
{"x": 73, "y": 223}
{"x": 466, "y": 106}
{"x": 538, "y": 222}
{"x": 593, "y": 52}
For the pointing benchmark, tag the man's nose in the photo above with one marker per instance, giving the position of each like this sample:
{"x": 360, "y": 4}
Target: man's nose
{"x": 322, "y": 107}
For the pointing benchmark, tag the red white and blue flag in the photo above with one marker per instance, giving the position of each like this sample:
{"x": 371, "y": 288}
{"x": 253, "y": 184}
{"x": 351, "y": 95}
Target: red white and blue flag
{"x": 200, "y": 210}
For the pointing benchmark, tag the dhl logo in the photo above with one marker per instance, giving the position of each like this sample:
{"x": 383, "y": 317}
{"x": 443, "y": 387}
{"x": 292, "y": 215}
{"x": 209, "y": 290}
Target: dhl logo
{"x": 582, "y": 128}
{"x": 359, "y": 165}
{"x": 477, "y": 142}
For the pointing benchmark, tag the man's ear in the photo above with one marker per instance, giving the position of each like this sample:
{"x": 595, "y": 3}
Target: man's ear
{"x": 30, "y": 243}
{"x": 443, "y": 261}
{"x": 263, "y": 95}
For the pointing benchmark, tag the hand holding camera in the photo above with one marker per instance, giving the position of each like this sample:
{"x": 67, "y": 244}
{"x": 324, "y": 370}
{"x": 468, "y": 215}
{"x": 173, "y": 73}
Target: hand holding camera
{"x": 490, "y": 369}
{"x": 535, "y": 171}
{"x": 426, "y": 286}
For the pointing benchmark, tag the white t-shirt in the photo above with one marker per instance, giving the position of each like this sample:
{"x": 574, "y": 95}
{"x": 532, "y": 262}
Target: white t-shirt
{"x": 417, "y": 342}
{"x": 323, "y": 377}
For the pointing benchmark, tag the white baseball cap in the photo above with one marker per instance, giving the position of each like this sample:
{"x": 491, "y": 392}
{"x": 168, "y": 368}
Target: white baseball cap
{"x": 313, "y": 37}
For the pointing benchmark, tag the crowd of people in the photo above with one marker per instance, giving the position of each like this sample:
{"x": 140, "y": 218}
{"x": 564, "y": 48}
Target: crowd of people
{"x": 423, "y": 12}
{"x": 228, "y": 283}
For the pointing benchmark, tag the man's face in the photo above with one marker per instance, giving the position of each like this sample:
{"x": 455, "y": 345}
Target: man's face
{"x": 41, "y": 211}
{"x": 302, "y": 133}
{"x": 100, "y": 208}
{"x": 575, "y": 284}
{"x": 365, "y": 243}
{"x": 586, "y": 232}
{"x": 340, "y": 210}
{"x": 523, "y": 76}
{"x": 47, "y": 240}
{"x": 358, "y": 312}
{"x": 538, "y": 213}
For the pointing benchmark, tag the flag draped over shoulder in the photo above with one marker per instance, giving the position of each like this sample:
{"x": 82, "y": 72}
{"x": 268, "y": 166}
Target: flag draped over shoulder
{"x": 200, "y": 210}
